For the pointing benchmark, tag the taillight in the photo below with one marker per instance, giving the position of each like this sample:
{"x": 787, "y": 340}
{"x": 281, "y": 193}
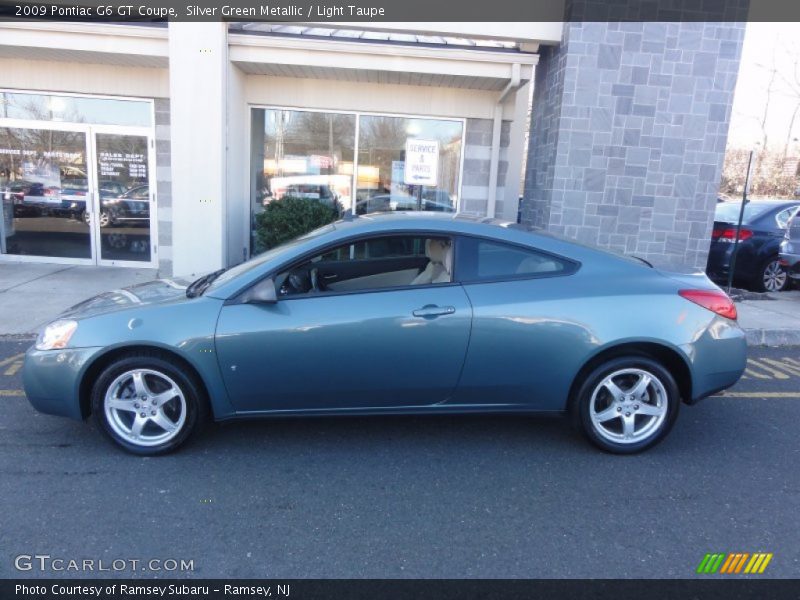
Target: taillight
{"x": 716, "y": 301}
{"x": 728, "y": 234}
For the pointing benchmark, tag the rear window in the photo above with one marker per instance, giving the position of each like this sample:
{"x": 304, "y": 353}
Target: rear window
{"x": 484, "y": 260}
{"x": 728, "y": 212}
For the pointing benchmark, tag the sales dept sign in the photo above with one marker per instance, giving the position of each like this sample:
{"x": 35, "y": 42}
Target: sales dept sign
{"x": 422, "y": 162}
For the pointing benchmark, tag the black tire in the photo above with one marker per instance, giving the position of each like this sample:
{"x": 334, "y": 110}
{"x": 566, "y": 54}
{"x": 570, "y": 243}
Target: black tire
{"x": 759, "y": 282}
{"x": 196, "y": 404}
{"x": 582, "y": 410}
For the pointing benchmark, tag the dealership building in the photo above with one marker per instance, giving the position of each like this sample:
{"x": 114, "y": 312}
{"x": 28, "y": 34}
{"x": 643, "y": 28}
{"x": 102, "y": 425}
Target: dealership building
{"x": 158, "y": 146}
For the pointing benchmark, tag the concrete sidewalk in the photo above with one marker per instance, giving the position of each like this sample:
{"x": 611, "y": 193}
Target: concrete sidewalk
{"x": 32, "y": 294}
{"x": 774, "y": 321}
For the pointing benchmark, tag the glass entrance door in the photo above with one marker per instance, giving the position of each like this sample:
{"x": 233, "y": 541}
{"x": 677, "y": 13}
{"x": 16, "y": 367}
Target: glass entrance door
{"x": 44, "y": 175}
{"x": 122, "y": 210}
{"x": 76, "y": 194}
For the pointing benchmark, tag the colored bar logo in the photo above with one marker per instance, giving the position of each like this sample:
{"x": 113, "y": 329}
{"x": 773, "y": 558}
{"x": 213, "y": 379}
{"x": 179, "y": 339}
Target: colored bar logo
{"x": 734, "y": 563}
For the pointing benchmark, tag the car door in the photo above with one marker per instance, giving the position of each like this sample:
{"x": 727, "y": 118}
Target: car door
{"x": 524, "y": 342}
{"x": 370, "y": 340}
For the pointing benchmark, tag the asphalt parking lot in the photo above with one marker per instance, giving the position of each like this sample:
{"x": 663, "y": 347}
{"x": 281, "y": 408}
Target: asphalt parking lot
{"x": 440, "y": 497}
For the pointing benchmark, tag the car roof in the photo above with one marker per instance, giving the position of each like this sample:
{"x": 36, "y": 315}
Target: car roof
{"x": 772, "y": 202}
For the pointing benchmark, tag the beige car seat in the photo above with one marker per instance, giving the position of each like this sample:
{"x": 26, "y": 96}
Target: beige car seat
{"x": 440, "y": 263}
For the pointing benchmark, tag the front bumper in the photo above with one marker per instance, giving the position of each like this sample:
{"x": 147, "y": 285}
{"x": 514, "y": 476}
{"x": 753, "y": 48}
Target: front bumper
{"x": 51, "y": 379}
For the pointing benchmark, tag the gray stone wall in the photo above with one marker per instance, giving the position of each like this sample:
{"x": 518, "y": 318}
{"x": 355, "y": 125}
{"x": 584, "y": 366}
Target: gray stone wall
{"x": 477, "y": 162}
{"x": 163, "y": 180}
{"x": 628, "y": 136}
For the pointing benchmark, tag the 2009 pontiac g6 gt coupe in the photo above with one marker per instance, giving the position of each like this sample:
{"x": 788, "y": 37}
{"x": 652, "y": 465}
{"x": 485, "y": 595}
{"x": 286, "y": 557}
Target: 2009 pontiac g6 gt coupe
{"x": 396, "y": 313}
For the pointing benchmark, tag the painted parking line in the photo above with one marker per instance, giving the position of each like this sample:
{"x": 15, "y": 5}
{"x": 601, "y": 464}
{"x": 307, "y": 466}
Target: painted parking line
{"x": 13, "y": 369}
{"x": 12, "y": 394}
{"x": 770, "y": 368}
{"x": 758, "y": 395}
{"x": 12, "y": 364}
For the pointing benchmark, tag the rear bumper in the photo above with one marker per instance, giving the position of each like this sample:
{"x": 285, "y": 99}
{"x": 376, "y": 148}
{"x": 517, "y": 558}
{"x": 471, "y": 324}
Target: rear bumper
{"x": 718, "y": 358}
{"x": 52, "y": 379}
{"x": 790, "y": 258}
{"x": 719, "y": 261}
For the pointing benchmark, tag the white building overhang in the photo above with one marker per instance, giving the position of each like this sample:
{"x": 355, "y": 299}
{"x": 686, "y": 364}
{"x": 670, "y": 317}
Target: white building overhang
{"x": 299, "y": 56}
{"x": 122, "y": 45}
{"x": 370, "y": 62}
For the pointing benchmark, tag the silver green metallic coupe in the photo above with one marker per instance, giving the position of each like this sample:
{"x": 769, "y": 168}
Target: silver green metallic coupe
{"x": 393, "y": 314}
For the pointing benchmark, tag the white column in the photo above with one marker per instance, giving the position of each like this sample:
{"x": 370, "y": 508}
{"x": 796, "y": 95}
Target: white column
{"x": 198, "y": 64}
{"x": 237, "y": 171}
{"x": 516, "y": 151}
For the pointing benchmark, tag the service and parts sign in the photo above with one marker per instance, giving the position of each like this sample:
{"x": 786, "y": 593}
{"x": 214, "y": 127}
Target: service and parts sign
{"x": 422, "y": 162}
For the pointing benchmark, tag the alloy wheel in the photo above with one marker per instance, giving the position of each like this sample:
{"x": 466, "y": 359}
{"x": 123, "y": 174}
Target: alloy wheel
{"x": 628, "y": 406}
{"x": 145, "y": 407}
{"x": 774, "y": 277}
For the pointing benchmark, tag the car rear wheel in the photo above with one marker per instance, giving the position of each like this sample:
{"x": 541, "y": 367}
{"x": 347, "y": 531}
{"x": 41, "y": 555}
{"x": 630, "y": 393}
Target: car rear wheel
{"x": 147, "y": 405}
{"x": 627, "y": 404}
{"x": 105, "y": 218}
{"x": 772, "y": 277}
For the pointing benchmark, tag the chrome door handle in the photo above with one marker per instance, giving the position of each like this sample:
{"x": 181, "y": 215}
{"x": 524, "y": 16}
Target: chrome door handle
{"x": 431, "y": 310}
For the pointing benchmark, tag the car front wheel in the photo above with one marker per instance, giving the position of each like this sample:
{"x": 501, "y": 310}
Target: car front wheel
{"x": 147, "y": 405}
{"x": 627, "y": 405}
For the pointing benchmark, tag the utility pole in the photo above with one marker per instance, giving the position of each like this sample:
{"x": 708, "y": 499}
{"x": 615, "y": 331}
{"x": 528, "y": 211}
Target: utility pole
{"x": 741, "y": 218}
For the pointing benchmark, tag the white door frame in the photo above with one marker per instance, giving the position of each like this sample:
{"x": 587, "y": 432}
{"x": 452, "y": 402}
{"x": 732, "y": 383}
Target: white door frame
{"x": 93, "y": 196}
{"x": 146, "y": 133}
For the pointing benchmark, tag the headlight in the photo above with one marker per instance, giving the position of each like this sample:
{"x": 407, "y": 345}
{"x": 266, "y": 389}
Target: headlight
{"x": 56, "y": 335}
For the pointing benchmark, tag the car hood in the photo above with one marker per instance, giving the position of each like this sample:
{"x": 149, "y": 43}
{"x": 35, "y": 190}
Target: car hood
{"x": 143, "y": 294}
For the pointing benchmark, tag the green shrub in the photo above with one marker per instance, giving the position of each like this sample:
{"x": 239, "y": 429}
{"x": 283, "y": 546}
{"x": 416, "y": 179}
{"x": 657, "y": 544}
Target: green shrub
{"x": 289, "y": 217}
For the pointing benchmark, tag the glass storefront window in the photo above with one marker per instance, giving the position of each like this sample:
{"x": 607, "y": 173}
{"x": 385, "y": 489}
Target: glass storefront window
{"x": 75, "y": 109}
{"x": 44, "y": 184}
{"x": 303, "y": 154}
{"x": 381, "y": 164}
{"x": 312, "y": 155}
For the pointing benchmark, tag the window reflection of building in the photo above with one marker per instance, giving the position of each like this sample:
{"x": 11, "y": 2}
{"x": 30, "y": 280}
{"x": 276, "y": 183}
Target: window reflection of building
{"x": 312, "y": 155}
{"x": 303, "y": 154}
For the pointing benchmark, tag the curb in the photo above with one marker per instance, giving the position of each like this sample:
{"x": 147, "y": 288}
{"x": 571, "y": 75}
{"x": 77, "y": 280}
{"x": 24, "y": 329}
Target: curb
{"x": 773, "y": 337}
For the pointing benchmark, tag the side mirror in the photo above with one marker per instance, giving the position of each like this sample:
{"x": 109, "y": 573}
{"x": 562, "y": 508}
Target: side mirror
{"x": 262, "y": 293}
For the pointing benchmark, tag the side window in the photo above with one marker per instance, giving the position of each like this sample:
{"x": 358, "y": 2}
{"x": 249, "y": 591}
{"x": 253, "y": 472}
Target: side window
{"x": 374, "y": 263}
{"x": 484, "y": 260}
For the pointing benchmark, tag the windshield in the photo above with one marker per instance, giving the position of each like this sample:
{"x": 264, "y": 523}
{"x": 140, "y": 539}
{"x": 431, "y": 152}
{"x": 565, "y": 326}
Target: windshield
{"x": 260, "y": 259}
{"x": 728, "y": 212}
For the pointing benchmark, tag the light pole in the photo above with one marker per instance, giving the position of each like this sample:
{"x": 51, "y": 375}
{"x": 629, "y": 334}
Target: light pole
{"x": 745, "y": 200}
